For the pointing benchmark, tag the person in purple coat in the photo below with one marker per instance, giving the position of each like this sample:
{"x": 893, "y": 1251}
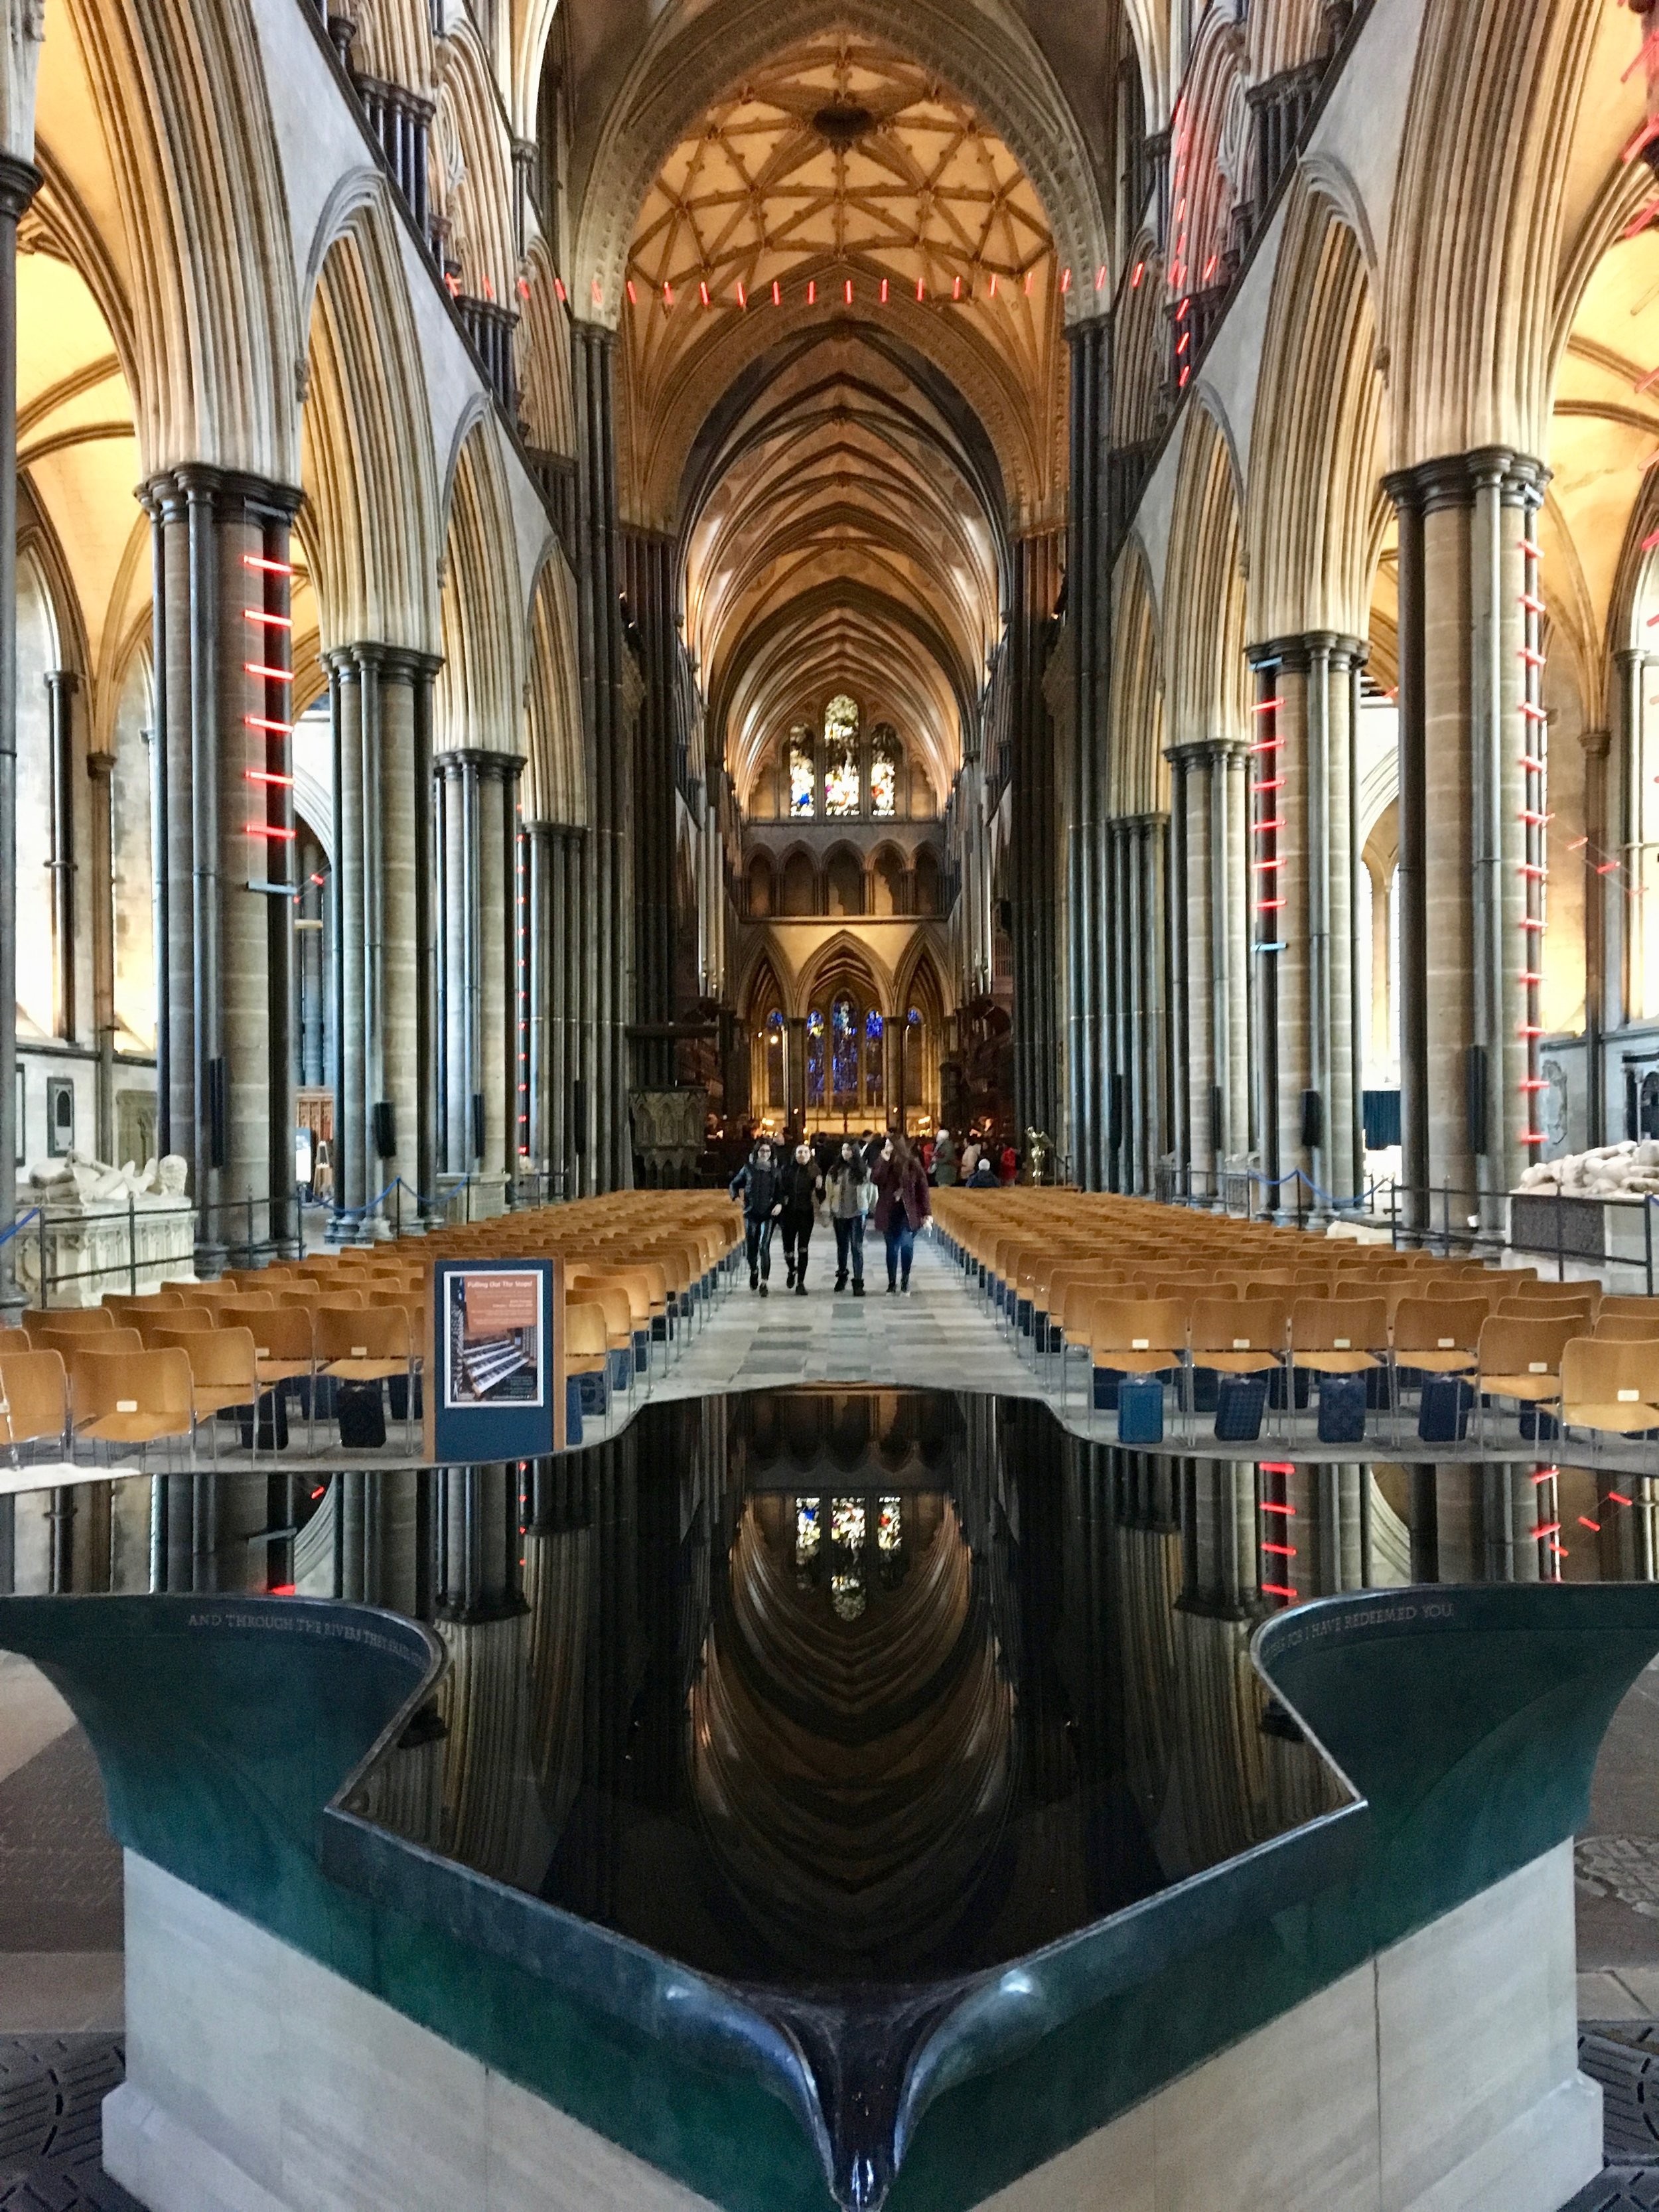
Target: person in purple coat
{"x": 901, "y": 1206}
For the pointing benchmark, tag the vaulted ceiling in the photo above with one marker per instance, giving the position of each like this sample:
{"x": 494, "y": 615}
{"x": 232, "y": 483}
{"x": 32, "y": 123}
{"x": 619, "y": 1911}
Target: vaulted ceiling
{"x": 842, "y": 376}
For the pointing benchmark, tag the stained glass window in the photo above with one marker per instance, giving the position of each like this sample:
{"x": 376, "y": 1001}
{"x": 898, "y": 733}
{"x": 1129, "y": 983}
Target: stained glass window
{"x": 802, "y": 777}
{"x": 846, "y": 1524}
{"x": 844, "y": 1051}
{"x": 889, "y": 1525}
{"x": 809, "y": 1529}
{"x": 874, "y": 1090}
{"x": 815, "y": 1057}
{"x": 846, "y": 1596}
{"x": 841, "y": 757}
{"x": 884, "y": 774}
{"x": 774, "y": 1084}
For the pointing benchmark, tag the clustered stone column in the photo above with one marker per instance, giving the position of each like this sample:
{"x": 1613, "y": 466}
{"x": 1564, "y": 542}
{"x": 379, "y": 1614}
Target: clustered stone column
{"x": 1471, "y": 777}
{"x": 607, "y": 873}
{"x": 478, "y": 963}
{"x": 1209, "y": 958}
{"x": 224, "y": 846}
{"x": 1136, "y": 997}
{"x": 18, "y": 182}
{"x": 381, "y": 940}
{"x": 648, "y": 566}
{"x": 1088, "y": 614}
{"x": 1302, "y": 852}
{"x": 1033, "y": 591}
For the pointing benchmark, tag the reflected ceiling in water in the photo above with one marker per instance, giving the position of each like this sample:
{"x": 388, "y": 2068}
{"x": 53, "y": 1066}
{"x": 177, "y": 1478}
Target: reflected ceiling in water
{"x": 823, "y": 1691}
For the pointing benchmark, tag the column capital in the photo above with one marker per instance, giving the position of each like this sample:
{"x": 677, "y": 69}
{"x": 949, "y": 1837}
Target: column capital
{"x": 20, "y": 180}
{"x": 258, "y": 498}
{"x": 398, "y": 663}
{"x": 101, "y": 766}
{"x": 1597, "y": 743}
{"x": 483, "y": 760}
{"x": 1203, "y": 752}
{"x": 1453, "y": 480}
{"x": 67, "y": 680}
{"x": 1298, "y": 653}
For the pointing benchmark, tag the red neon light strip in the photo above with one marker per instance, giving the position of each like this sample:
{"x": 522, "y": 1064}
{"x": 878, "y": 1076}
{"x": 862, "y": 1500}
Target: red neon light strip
{"x": 270, "y": 675}
{"x": 1619, "y": 1498}
{"x": 1645, "y": 136}
{"x": 1280, "y": 1550}
{"x": 1266, "y": 706}
{"x": 1269, "y": 1506}
{"x": 1536, "y": 552}
{"x": 270, "y": 622}
{"x": 264, "y": 829}
{"x": 265, "y": 722}
{"x": 260, "y": 776}
{"x": 1594, "y": 1526}
{"x": 270, "y": 567}
{"x": 1278, "y": 1589}
{"x": 1547, "y": 1529}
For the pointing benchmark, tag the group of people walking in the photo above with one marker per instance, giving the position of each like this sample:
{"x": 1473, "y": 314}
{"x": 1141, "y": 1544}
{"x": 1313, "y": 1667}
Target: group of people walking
{"x": 883, "y": 1183}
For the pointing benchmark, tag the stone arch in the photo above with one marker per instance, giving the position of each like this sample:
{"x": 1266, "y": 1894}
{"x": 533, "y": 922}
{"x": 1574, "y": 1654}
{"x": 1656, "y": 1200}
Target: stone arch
{"x": 474, "y": 171}
{"x": 369, "y": 524}
{"x": 844, "y": 894}
{"x": 1316, "y": 513}
{"x": 394, "y": 43}
{"x": 684, "y": 65}
{"x": 1204, "y": 598}
{"x": 180, "y": 91}
{"x": 1139, "y": 366}
{"x": 480, "y": 690}
{"x": 1136, "y": 775}
{"x": 545, "y": 395}
{"x": 555, "y": 777}
{"x": 1283, "y": 34}
{"x": 844, "y": 957}
{"x": 1476, "y": 236}
{"x": 798, "y": 884}
{"x": 1209, "y": 156}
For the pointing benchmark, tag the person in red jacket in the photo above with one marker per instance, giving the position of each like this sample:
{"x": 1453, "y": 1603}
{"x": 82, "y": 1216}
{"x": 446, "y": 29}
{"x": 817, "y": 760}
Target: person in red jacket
{"x": 901, "y": 1206}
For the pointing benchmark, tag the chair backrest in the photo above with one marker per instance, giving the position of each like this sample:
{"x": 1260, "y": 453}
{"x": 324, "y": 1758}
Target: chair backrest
{"x": 1597, "y": 1372}
{"x": 124, "y": 1307}
{"x": 70, "y": 1341}
{"x": 153, "y": 1383}
{"x": 1136, "y": 1325}
{"x": 1248, "y": 1324}
{"x": 585, "y": 1336}
{"x": 250, "y": 1301}
{"x": 611, "y": 1298}
{"x": 362, "y": 1333}
{"x": 1633, "y": 1308}
{"x": 69, "y": 1321}
{"x": 196, "y": 1319}
{"x": 282, "y": 1332}
{"x": 14, "y": 1340}
{"x": 1451, "y": 1324}
{"x": 1518, "y": 1344}
{"x": 1336, "y": 1324}
{"x": 35, "y": 1388}
{"x": 219, "y": 1357}
{"x": 1625, "y": 1329}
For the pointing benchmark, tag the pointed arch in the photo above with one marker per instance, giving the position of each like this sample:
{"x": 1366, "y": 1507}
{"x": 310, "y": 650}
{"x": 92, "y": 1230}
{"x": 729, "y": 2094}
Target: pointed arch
{"x": 555, "y": 779}
{"x": 1467, "y": 311}
{"x": 480, "y": 690}
{"x": 1204, "y": 596}
{"x": 1135, "y": 774}
{"x": 474, "y": 169}
{"x": 1315, "y": 513}
{"x": 544, "y": 359}
{"x": 369, "y": 524}
{"x": 179, "y": 91}
{"x": 1140, "y": 377}
{"x": 394, "y": 43}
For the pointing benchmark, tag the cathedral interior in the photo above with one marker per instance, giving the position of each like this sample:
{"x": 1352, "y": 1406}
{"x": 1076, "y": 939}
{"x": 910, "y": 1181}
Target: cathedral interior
{"x": 584, "y": 583}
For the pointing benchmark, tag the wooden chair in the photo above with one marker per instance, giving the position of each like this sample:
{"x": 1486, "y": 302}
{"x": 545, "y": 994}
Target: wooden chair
{"x": 587, "y": 1347}
{"x": 1625, "y": 1329}
{"x": 33, "y": 1399}
{"x": 198, "y": 1319}
{"x": 1519, "y": 1357}
{"x": 284, "y": 1351}
{"x": 1611, "y": 1388}
{"x": 126, "y": 1308}
{"x": 14, "y": 1340}
{"x": 358, "y": 1344}
{"x": 69, "y": 1321}
{"x": 131, "y": 1397}
{"x": 223, "y": 1375}
{"x": 67, "y": 1342}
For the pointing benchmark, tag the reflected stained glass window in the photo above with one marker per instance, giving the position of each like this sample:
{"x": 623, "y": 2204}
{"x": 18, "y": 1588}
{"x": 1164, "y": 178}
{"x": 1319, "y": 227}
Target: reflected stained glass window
{"x": 815, "y": 1027}
{"x": 847, "y": 1524}
{"x": 809, "y": 1529}
{"x": 890, "y": 1524}
{"x": 803, "y": 778}
{"x": 874, "y": 1092}
{"x": 841, "y": 757}
{"x": 884, "y": 774}
{"x": 844, "y": 1051}
{"x": 846, "y": 1596}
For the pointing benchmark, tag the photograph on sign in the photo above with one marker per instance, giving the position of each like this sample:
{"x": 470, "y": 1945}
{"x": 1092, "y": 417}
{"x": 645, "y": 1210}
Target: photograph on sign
{"x": 495, "y": 1354}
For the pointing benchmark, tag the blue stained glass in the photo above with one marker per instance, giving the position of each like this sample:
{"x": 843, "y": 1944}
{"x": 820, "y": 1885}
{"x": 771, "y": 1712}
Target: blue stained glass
{"x": 872, "y": 1028}
{"x": 815, "y": 1058}
{"x": 844, "y": 1060}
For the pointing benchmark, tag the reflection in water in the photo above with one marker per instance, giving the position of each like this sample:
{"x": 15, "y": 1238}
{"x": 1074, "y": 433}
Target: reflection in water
{"x": 838, "y": 1690}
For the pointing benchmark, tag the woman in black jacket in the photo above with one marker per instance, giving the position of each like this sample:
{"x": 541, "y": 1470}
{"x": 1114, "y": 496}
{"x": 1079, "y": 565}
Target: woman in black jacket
{"x": 799, "y": 1188}
{"x": 757, "y": 1183}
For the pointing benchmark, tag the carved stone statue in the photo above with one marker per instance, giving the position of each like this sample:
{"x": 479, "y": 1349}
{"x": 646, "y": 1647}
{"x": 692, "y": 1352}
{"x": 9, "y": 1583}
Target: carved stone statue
{"x": 101, "y": 1228}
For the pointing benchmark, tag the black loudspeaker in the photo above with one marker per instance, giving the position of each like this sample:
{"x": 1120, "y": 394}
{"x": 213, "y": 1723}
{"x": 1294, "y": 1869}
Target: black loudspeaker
{"x": 579, "y": 1114}
{"x": 1313, "y": 1119}
{"x": 1114, "y": 1124}
{"x": 477, "y": 1125}
{"x": 216, "y": 1109}
{"x": 385, "y": 1130}
{"x": 1474, "y": 1076}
